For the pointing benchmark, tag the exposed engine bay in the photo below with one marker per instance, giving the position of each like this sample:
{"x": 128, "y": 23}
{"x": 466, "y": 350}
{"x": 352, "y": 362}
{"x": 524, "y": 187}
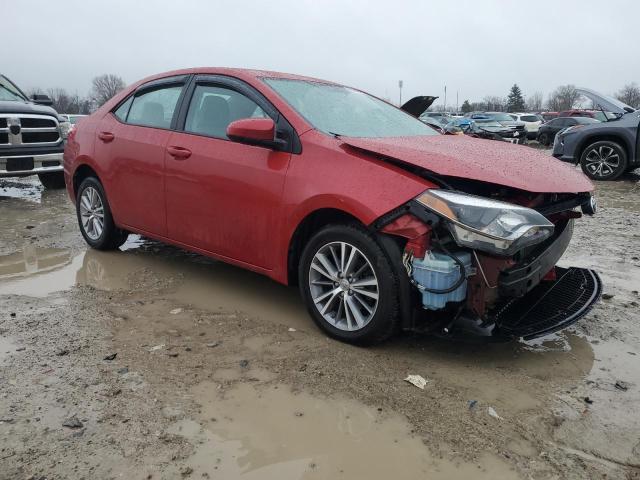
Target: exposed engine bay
{"x": 481, "y": 259}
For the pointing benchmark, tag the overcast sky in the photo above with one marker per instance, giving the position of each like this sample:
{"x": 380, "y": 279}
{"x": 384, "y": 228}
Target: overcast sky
{"x": 477, "y": 48}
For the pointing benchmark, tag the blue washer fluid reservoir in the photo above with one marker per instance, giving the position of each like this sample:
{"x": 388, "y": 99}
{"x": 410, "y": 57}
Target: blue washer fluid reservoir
{"x": 440, "y": 271}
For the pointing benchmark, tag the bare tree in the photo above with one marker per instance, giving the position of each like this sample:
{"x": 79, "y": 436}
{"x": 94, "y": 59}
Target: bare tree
{"x": 62, "y": 101}
{"x": 495, "y": 104}
{"x": 563, "y": 98}
{"x": 106, "y": 86}
{"x": 534, "y": 102}
{"x": 630, "y": 94}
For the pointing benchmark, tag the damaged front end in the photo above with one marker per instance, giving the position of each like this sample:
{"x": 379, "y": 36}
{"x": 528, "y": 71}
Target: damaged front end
{"x": 485, "y": 267}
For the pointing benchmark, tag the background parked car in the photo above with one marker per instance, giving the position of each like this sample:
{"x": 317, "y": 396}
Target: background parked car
{"x": 531, "y": 122}
{"x": 548, "y": 131}
{"x": 597, "y": 114}
{"x": 503, "y": 119}
{"x": 605, "y": 150}
{"x": 493, "y": 130}
{"x": 72, "y": 118}
{"x": 546, "y": 116}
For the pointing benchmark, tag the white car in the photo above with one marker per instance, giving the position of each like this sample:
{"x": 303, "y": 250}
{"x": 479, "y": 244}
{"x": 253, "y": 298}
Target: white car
{"x": 531, "y": 123}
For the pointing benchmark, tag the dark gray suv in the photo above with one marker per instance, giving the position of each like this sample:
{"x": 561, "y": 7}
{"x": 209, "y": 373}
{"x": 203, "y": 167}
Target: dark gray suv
{"x": 604, "y": 150}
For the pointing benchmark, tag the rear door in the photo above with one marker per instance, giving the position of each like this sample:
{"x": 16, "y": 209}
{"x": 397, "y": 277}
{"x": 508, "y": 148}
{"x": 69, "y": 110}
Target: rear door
{"x": 132, "y": 142}
{"x": 224, "y": 197}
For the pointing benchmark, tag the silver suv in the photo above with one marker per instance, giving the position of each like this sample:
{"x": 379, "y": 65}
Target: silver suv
{"x": 32, "y": 136}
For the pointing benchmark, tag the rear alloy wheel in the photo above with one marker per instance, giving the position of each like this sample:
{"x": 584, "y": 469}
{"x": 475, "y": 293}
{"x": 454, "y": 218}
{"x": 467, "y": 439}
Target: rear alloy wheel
{"x": 604, "y": 160}
{"x": 52, "y": 180}
{"x": 348, "y": 285}
{"x": 543, "y": 138}
{"x": 94, "y": 217}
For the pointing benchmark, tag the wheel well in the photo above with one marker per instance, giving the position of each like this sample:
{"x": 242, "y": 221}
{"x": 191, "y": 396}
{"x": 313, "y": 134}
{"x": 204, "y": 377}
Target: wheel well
{"x": 599, "y": 138}
{"x": 306, "y": 229}
{"x": 82, "y": 172}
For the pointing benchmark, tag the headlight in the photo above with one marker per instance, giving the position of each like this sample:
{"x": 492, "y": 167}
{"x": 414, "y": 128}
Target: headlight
{"x": 490, "y": 225}
{"x": 65, "y": 128}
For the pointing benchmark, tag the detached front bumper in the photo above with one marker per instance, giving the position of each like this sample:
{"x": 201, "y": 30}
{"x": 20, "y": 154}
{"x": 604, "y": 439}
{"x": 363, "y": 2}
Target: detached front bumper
{"x": 549, "y": 307}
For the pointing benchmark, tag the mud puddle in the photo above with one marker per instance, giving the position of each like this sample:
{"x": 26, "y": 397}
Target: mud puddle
{"x": 186, "y": 278}
{"x": 272, "y": 433}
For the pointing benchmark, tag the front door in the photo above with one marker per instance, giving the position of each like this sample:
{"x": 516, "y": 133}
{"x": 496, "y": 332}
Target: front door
{"x": 223, "y": 196}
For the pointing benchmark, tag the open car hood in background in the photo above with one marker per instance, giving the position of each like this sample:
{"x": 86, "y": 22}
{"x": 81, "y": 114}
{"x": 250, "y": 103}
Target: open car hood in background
{"x": 608, "y": 104}
{"x": 500, "y": 163}
{"x": 418, "y": 105}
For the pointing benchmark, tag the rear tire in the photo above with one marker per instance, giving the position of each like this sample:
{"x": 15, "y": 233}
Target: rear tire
{"x": 52, "y": 180}
{"x": 348, "y": 285}
{"x": 603, "y": 160}
{"x": 543, "y": 138}
{"x": 94, "y": 217}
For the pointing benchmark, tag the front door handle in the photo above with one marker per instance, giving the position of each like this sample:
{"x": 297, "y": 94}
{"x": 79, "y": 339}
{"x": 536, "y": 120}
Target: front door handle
{"x": 179, "y": 153}
{"x": 106, "y": 137}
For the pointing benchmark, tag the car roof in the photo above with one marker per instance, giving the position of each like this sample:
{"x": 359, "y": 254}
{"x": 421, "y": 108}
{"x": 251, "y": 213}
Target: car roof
{"x": 242, "y": 73}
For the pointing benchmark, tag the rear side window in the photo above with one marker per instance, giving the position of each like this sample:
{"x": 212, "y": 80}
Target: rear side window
{"x": 529, "y": 118}
{"x": 154, "y": 108}
{"x": 212, "y": 109}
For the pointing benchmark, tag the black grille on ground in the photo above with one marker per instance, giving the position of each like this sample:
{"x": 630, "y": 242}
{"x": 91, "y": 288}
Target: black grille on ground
{"x": 26, "y": 122}
{"x": 551, "y": 306}
{"x": 3, "y": 123}
{"x": 4, "y": 138}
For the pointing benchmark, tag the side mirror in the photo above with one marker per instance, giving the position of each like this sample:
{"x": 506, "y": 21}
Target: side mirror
{"x": 255, "y": 131}
{"x": 42, "y": 100}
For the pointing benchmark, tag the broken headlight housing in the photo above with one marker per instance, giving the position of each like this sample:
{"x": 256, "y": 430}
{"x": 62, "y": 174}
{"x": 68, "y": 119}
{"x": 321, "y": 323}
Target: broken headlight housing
{"x": 489, "y": 225}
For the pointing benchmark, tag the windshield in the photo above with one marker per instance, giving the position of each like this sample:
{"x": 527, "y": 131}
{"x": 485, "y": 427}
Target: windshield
{"x": 339, "y": 110}
{"x": 9, "y": 92}
{"x": 501, "y": 117}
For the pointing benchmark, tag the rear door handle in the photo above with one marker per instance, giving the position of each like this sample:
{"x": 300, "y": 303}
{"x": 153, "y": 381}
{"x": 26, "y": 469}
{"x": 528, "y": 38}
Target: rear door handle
{"x": 179, "y": 153}
{"x": 106, "y": 137}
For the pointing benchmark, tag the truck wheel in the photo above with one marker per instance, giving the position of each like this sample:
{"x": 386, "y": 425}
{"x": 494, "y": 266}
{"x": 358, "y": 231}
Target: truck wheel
{"x": 603, "y": 160}
{"x": 348, "y": 285}
{"x": 94, "y": 217}
{"x": 52, "y": 180}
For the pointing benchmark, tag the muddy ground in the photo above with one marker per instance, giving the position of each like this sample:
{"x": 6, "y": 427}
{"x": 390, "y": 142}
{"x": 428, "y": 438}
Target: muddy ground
{"x": 154, "y": 363}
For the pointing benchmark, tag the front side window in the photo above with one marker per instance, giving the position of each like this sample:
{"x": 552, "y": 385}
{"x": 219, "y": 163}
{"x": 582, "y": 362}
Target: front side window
{"x": 213, "y": 108}
{"x": 154, "y": 108}
{"x": 339, "y": 110}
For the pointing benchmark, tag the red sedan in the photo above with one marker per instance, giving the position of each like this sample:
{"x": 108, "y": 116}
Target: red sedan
{"x": 381, "y": 221}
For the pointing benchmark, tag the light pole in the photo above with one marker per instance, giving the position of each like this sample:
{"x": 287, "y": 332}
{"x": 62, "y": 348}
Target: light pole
{"x": 400, "y": 87}
{"x": 445, "y": 99}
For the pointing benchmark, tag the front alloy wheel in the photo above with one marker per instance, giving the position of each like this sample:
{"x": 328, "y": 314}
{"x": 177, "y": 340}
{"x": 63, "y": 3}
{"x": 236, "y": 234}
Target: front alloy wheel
{"x": 348, "y": 284}
{"x": 604, "y": 160}
{"x": 343, "y": 286}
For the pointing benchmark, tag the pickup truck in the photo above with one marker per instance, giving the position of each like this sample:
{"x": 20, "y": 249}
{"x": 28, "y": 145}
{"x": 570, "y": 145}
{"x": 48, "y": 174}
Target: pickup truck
{"x": 32, "y": 136}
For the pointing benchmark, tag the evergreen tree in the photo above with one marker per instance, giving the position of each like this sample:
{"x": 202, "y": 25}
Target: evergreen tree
{"x": 515, "y": 100}
{"x": 466, "y": 107}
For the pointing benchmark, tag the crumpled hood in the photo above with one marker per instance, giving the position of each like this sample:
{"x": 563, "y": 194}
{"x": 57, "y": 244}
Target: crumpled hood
{"x": 501, "y": 163}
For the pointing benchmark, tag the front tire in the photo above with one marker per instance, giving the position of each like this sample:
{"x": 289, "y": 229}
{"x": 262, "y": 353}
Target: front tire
{"x": 52, "y": 181}
{"x": 94, "y": 217}
{"x": 543, "y": 138}
{"x": 603, "y": 160}
{"x": 348, "y": 285}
